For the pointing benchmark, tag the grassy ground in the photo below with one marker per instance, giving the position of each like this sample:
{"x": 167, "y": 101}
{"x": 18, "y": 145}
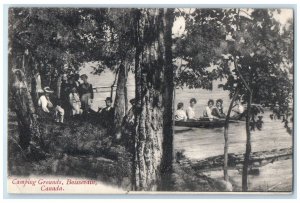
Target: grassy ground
{"x": 79, "y": 148}
{"x": 82, "y": 148}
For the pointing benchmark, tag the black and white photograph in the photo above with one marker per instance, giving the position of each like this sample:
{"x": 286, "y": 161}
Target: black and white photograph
{"x": 114, "y": 100}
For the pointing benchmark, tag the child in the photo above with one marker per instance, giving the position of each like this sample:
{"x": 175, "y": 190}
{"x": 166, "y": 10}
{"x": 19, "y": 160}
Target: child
{"x": 59, "y": 113}
{"x": 75, "y": 102}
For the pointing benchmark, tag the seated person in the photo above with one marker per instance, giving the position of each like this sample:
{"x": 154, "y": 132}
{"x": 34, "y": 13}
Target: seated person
{"x": 218, "y": 110}
{"x": 107, "y": 113}
{"x": 180, "y": 114}
{"x": 47, "y": 110}
{"x": 238, "y": 110}
{"x": 208, "y": 111}
{"x": 75, "y": 102}
{"x": 190, "y": 112}
{"x": 44, "y": 103}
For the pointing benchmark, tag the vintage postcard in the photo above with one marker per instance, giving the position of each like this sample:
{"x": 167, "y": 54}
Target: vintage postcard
{"x": 150, "y": 100}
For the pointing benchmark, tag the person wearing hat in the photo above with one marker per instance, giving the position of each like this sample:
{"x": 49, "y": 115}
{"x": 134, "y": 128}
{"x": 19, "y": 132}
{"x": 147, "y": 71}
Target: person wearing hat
{"x": 47, "y": 109}
{"x": 44, "y": 101}
{"x": 86, "y": 94}
{"x": 108, "y": 113}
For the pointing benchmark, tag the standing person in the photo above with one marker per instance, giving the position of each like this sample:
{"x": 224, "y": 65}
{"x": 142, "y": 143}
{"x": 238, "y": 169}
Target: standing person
{"x": 108, "y": 113}
{"x": 180, "y": 114}
{"x": 208, "y": 111}
{"x": 64, "y": 94}
{"x": 75, "y": 102}
{"x": 190, "y": 112}
{"x": 76, "y": 80}
{"x": 72, "y": 83}
{"x": 86, "y": 94}
{"x": 128, "y": 128}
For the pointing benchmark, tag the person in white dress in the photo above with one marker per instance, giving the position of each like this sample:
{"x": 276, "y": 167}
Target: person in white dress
{"x": 180, "y": 114}
{"x": 44, "y": 100}
{"x": 207, "y": 113}
{"x": 75, "y": 102}
{"x": 190, "y": 112}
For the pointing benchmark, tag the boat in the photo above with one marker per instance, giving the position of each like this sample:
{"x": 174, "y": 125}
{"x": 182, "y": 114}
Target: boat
{"x": 204, "y": 123}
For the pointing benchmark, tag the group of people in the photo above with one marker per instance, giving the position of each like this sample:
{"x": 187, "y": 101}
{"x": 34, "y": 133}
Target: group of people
{"x": 75, "y": 99}
{"x": 211, "y": 111}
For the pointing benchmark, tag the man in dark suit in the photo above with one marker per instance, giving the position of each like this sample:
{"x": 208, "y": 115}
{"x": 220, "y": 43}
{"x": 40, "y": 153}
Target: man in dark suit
{"x": 108, "y": 113}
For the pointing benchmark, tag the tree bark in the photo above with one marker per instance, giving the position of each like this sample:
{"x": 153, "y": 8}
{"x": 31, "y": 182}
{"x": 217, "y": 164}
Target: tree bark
{"x": 154, "y": 99}
{"x": 148, "y": 114}
{"x": 248, "y": 147}
{"x": 29, "y": 129}
{"x": 226, "y": 128}
{"x": 120, "y": 100}
{"x": 167, "y": 99}
{"x": 149, "y": 132}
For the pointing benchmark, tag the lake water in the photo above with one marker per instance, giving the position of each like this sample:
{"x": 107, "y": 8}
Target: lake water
{"x": 200, "y": 143}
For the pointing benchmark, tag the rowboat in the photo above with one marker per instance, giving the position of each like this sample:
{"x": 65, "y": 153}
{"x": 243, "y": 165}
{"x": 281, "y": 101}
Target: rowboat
{"x": 204, "y": 123}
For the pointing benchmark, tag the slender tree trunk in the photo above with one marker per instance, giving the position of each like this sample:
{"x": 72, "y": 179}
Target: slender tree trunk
{"x": 226, "y": 128}
{"x": 120, "y": 101}
{"x": 114, "y": 83}
{"x": 125, "y": 89}
{"x": 138, "y": 76}
{"x": 58, "y": 86}
{"x": 248, "y": 147}
{"x": 165, "y": 39}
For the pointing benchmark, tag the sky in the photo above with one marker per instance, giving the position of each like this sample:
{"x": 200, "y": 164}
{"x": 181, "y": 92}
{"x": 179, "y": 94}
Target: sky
{"x": 179, "y": 24}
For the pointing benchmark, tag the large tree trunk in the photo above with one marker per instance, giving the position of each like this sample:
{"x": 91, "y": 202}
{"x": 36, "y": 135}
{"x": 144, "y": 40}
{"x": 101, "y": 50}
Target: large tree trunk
{"x": 120, "y": 100}
{"x": 248, "y": 147}
{"x": 148, "y": 114}
{"x": 165, "y": 39}
{"x": 29, "y": 129}
{"x": 226, "y": 128}
{"x": 148, "y": 129}
{"x": 154, "y": 99}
